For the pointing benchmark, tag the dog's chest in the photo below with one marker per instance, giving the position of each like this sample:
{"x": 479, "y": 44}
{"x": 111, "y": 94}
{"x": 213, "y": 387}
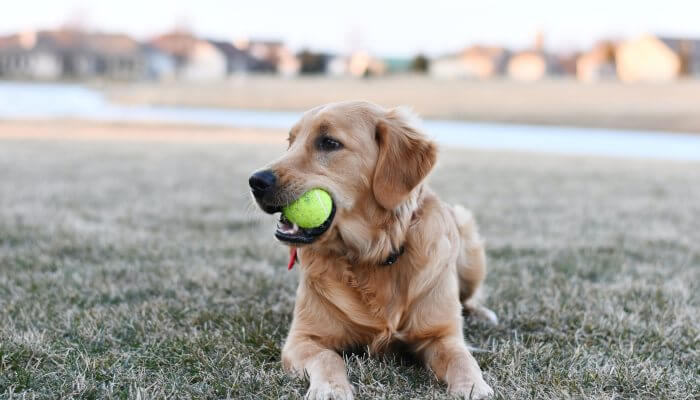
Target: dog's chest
{"x": 373, "y": 303}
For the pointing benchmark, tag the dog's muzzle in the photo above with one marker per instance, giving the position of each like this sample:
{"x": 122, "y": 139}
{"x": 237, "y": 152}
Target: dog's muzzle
{"x": 264, "y": 186}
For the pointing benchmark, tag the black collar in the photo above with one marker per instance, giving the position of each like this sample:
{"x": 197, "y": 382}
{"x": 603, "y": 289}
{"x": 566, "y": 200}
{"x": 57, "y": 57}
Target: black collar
{"x": 393, "y": 257}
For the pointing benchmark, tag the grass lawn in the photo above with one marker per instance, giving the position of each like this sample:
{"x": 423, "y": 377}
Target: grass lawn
{"x": 132, "y": 268}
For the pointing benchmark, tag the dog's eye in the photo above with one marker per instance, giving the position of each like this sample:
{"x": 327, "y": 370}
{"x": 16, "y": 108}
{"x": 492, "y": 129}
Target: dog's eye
{"x": 326, "y": 143}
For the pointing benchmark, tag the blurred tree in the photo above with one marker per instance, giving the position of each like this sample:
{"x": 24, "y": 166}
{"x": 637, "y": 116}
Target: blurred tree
{"x": 420, "y": 64}
{"x": 312, "y": 63}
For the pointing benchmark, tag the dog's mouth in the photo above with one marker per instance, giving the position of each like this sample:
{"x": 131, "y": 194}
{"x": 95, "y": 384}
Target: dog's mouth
{"x": 289, "y": 232}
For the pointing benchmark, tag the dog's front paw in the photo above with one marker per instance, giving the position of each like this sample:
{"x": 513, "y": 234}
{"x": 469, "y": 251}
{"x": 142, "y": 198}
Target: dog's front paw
{"x": 329, "y": 391}
{"x": 472, "y": 390}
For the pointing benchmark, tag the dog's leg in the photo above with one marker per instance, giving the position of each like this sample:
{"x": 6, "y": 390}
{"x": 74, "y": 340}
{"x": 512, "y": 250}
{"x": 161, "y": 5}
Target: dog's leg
{"x": 471, "y": 266}
{"x": 325, "y": 367}
{"x": 452, "y": 362}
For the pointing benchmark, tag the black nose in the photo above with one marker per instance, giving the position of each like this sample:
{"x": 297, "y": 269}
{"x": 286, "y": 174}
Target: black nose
{"x": 262, "y": 182}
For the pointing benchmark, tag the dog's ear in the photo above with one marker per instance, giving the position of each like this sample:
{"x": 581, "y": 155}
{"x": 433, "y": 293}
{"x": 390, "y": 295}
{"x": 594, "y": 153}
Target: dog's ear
{"x": 406, "y": 156}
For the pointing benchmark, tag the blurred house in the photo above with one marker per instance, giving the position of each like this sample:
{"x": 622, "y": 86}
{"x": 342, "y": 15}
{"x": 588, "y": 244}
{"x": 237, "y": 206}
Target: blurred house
{"x": 115, "y": 56}
{"x": 528, "y": 66}
{"x": 362, "y": 64}
{"x": 238, "y": 61}
{"x": 481, "y": 62}
{"x": 567, "y": 62}
{"x": 396, "y": 65}
{"x": 337, "y": 66}
{"x": 647, "y": 59}
{"x": 161, "y": 66}
{"x": 689, "y": 52}
{"x": 597, "y": 64}
{"x": 535, "y": 64}
{"x": 23, "y": 56}
{"x": 72, "y": 54}
{"x": 272, "y": 56}
{"x": 78, "y": 58}
{"x": 532, "y": 65}
{"x": 358, "y": 64}
{"x": 195, "y": 59}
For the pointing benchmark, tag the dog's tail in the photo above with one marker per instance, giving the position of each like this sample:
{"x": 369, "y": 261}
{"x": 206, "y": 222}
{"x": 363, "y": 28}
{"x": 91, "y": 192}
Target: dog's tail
{"x": 471, "y": 264}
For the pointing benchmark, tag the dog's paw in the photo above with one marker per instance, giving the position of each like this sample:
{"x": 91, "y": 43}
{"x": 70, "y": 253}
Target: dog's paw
{"x": 472, "y": 390}
{"x": 329, "y": 391}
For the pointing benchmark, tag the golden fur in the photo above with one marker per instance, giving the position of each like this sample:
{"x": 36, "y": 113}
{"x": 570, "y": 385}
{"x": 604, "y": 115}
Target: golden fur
{"x": 346, "y": 298}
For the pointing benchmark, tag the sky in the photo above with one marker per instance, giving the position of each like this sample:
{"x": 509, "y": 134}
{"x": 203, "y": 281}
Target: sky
{"x": 387, "y": 28}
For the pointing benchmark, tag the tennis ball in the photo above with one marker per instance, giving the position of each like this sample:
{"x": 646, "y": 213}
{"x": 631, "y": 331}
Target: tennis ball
{"x": 310, "y": 210}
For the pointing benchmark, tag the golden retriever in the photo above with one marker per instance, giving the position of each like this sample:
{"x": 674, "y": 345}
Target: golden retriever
{"x": 392, "y": 264}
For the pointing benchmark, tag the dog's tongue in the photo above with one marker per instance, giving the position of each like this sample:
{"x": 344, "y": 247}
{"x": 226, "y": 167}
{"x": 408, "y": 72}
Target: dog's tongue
{"x": 292, "y": 258}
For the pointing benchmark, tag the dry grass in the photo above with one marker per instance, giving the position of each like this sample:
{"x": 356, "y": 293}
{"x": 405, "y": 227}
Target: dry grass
{"x": 137, "y": 268}
{"x": 666, "y": 107}
{"x": 121, "y": 131}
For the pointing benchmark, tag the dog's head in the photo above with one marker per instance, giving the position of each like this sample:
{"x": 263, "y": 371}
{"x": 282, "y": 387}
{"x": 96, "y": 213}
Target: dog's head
{"x": 369, "y": 159}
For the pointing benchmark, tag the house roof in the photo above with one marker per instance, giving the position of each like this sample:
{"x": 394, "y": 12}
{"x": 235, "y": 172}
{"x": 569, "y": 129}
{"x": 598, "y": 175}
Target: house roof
{"x": 229, "y": 49}
{"x": 241, "y": 58}
{"x": 493, "y": 52}
{"x": 680, "y": 45}
{"x": 71, "y": 40}
{"x": 178, "y": 44}
{"x": 112, "y": 43}
{"x": 9, "y": 42}
{"x": 489, "y": 51}
{"x": 270, "y": 43}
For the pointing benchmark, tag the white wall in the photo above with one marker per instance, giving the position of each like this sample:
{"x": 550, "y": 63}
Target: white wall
{"x": 206, "y": 63}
